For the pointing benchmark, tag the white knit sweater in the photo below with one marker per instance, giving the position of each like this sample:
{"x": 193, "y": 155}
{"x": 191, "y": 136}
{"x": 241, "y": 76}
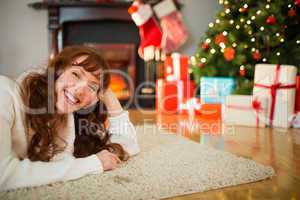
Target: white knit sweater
{"x": 16, "y": 170}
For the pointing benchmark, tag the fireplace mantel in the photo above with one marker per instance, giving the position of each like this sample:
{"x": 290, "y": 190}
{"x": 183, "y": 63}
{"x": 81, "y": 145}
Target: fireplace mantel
{"x": 60, "y": 13}
{"x": 45, "y": 4}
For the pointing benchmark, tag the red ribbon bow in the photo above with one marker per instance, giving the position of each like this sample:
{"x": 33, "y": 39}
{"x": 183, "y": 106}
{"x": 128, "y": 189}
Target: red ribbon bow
{"x": 256, "y": 105}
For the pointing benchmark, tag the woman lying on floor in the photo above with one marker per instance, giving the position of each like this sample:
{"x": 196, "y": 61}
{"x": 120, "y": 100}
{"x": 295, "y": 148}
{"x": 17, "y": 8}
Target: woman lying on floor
{"x": 53, "y": 124}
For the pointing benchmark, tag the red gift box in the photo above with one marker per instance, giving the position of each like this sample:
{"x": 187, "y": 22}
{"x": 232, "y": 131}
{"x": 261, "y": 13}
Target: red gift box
{"x": 170, "y": 94}
{"x": 176, "y": 67}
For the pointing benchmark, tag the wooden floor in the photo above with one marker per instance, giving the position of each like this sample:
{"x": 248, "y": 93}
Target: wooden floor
{"x": 279, "y": 148}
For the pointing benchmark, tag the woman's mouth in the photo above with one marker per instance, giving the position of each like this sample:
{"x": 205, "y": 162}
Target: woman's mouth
{"x": 71, "y": 99}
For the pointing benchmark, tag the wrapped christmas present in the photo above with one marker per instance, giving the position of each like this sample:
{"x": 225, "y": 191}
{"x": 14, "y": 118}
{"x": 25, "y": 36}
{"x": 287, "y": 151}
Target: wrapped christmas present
{"x": 245, "y": 110}
{"x": 277, "y": 83}
{"x": 170, "y": 94}
{"x": 215, "y": 89}
{"x": 176, "y": 67}
{"x": 297, "y": 102}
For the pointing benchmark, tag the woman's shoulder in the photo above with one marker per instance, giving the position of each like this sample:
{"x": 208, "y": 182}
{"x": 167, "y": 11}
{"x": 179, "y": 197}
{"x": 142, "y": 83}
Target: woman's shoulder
{"x": 13, "y": 85}
{"x": 8, "y": 96}
{"x": 10, "y": 91}
{"x": 7, "y": 84}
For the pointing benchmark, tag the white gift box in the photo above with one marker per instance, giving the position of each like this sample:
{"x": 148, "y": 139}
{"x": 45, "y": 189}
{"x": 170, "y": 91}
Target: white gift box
{"x": 277, "y": 83}
{"x": 245, "y": 110}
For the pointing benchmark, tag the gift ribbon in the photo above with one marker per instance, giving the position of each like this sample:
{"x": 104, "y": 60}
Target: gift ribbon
{"x": 256, "y": 105}
{"x": 273, "y": 91}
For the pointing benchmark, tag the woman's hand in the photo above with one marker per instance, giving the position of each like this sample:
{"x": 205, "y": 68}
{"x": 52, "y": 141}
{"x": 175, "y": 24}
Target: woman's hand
{"x": 109, "y": 160}
{"x": 112, "y": 103}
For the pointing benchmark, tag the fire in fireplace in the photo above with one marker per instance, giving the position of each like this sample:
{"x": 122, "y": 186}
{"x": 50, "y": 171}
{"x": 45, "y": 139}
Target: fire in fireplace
{"x": 121, "y": 59}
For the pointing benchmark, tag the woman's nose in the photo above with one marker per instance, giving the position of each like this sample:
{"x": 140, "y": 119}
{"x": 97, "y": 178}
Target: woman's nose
{"x": 79, "y": 88}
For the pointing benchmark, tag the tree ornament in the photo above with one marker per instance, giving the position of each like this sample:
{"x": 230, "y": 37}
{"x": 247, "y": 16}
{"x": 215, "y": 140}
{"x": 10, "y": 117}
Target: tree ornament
{"x": 242, "y": 70}
{"x": 292, "y": 12}
{"x": 297, "y": 2}
{"x": 205, "y": 46}
{"x": 283, "y": 27}
{"x": 271, "y": 20}
{"x": 256, "y": 55}
{"x": 201, "y": 65}
{"x": 220, "y": 38}
{"x": 229, "y": 53}
{"x": 243, "y": 10}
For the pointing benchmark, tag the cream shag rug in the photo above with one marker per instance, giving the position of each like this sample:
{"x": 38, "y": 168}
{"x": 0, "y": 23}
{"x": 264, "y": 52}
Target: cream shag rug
{"x": 168, "y": 165}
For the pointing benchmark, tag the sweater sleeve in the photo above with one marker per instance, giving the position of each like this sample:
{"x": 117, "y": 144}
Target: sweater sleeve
{"x": 16, "y": 173}
{"x": 123, "y": 132}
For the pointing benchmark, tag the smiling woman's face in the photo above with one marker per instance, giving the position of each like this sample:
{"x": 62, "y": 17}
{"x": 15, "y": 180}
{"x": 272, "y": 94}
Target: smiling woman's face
{"x": 76, "y": 88}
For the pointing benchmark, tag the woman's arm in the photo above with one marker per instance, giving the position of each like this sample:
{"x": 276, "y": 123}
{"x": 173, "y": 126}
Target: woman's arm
{"x": 16, "y": 173}
{"x": 121, "y": 129}
{"x": 111, "y": 102}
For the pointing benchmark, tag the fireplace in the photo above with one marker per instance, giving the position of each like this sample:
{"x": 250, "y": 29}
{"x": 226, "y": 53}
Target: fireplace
{"x": 121, "y": 59}
{"x": 107, "y": 27}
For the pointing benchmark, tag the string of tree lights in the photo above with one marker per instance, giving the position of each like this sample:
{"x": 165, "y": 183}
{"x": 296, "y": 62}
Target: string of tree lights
{"x": 245, "y": 33}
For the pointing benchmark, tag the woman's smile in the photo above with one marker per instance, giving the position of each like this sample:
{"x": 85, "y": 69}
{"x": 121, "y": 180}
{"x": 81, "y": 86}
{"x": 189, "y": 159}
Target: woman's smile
{"x": 70, "y": 98}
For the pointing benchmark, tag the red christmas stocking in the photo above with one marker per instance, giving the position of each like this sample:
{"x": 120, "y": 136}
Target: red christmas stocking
{"x": 174, "y": 31}
{"x": 149, "y": 29}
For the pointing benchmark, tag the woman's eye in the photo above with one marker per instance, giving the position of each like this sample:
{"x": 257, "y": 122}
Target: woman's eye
{"x": 93, "y": 88}
{"x": 75, "y": 64}
{"x": 75, "y": 74}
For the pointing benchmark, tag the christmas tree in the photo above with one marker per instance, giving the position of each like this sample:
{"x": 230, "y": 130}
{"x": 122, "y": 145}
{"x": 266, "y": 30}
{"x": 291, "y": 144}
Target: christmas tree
{"x": 246, "y": 32}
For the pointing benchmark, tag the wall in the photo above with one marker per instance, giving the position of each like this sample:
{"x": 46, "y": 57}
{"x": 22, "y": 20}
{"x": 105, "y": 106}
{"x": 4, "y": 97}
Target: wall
{"x": 197, "y": 14}
{"x": 24, "y": 35}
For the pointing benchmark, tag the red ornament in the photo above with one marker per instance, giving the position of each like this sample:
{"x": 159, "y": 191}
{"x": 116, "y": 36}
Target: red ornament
{"x": 229, "y": 53}
{"x": 243, "y": 10}
{"x": 256, "y": 55}
{"x": 242, "y": 71}
{"x": 292, "y": 12}
{"x": 205, "y": 46}
{"x": 297, "y": 2}
{"x": 283, "y": 27}
{"x": 220, "y": 38}
{"x": 271, "y": 20}
{"x": 201, "y": 65}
